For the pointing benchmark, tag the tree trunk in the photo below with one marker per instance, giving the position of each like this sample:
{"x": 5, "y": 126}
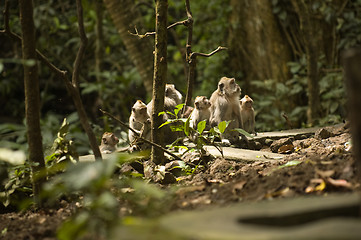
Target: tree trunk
{"x": 99, "y": 45}
{"x": 125, "y": 17}
{"x": 160, "y": 76}
{"x": 256, "y": 44}
{"x": 32, "y": 98}
{"x": 311, "y": 34}
{"x": 352, "y": 63}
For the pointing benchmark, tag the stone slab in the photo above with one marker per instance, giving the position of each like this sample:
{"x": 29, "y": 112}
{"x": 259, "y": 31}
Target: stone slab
{"x": 289, "y": 133}
{"x": 238, "y": 154}
{"x": 231, "y": 222}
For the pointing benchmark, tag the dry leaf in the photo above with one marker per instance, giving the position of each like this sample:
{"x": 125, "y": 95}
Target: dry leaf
{"x": 288, "y": 148}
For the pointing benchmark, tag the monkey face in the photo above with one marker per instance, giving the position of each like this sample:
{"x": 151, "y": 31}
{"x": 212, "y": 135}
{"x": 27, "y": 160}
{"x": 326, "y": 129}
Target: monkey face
{"x": 139, "y": 111}
{"x": 109, "y": 139}
{"x": 246, "y": 102}
{"x": 201, "y": 102}
{"x": 229, "y": 87}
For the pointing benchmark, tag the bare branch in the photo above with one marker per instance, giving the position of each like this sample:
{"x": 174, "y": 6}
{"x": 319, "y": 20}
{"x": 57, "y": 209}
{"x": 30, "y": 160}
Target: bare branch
{"x": 83, "y": 43}
{"x": 196, "y": 54}
{"x": 184, "y": 22}
{"x": 138, "y": 135}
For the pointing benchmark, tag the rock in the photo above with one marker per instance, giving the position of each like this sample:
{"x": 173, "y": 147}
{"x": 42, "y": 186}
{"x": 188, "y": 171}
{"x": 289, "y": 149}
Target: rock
{"x": 323, "y": 133}
{"x": 279, "y": 143}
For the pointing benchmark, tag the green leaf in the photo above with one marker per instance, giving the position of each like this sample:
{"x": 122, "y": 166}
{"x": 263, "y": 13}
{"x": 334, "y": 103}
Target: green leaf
{"x": 201, "y": 126}
{"x": 290, "y": 164}
{"x": 223, "y": 125}
{"x": 166, "y": 123}
{"x": 242, "y": 131}
{"x": 178, "y": 108}
{"x": 161, "y": 113}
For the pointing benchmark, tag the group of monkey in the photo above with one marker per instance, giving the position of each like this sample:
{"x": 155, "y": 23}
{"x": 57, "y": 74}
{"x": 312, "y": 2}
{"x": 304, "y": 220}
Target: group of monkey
{"x": 224, "y": 105}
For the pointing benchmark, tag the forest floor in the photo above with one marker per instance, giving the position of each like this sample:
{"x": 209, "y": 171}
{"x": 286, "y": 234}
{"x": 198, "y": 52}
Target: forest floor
{"x": 315, "y": 165}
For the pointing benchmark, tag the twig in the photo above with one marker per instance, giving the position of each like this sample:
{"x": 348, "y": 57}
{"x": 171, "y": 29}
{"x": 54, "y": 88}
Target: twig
{"x": 184, "y": 22}
{"x": 138, "y": 135}
{"x": 289, "y": 124}
{"x": 196, "y": 54}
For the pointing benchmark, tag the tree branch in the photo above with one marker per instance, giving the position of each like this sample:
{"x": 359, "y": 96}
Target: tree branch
{"x": 196, "y": 54}
{"x": 184, "y": 22}
{"x": 138, "y": 135}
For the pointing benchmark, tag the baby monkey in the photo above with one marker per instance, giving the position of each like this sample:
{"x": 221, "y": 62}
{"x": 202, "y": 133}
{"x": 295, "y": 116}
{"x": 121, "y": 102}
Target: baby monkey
{"x": 139, "y": 120}
{"x": 108, "y": 143}
{"x": 247, "y": 113}
{"x": 201, "y": 111}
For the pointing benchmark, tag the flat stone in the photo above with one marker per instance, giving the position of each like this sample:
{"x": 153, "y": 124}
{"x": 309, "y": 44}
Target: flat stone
{"x": 238, "y": 154}
{"x": 289, "y": 133}
{"x": 322, "y": 217}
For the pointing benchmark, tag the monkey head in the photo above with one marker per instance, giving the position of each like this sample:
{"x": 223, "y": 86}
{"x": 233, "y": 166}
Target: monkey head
{"x": 173, "y": 93}
{"x": 201, "y": 103}
{"x": 139, "y": 111}
{"x": 109, "y": 139}
{"x": 229, "y": 87}
{"x": 246, "y": 102}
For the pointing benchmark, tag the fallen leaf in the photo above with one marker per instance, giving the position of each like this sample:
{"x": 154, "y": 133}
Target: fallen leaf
{"x": 321, "y": 186}
{"x": 285, "y": 149}
{"x": 281, "y": 193}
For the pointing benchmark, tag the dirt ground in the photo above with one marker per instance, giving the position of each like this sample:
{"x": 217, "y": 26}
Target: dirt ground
{"x": 319, "y": 164}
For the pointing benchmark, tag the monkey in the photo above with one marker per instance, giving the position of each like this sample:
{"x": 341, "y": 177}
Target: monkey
{"x": 225, "y": 106}
{"x": 172, "y": 98}
{"x": 139, "y": 120}
{"x": 247, "y": 113}
{"x": 108, "y": 143}
{"x": 201, "y": 111}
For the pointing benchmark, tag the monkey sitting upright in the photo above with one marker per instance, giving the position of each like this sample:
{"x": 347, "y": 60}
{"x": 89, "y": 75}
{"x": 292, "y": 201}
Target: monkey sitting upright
{"x": 226, "y": 107}
{"x": 139, "y": 121}
{"x": 201, "y": 111}
{"x": 247, "y": 113}
{"x": 108, "y": 143}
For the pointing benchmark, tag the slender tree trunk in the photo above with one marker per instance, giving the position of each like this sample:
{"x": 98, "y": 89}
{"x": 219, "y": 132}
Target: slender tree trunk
{"x": 352, "y": 63}
{"x": 309, "y": 28}
{"x": 99, "y": 39}
{"x": 32, "y": 98}
{"x": 125, "y": 17}
{"x": 160, "y": 76}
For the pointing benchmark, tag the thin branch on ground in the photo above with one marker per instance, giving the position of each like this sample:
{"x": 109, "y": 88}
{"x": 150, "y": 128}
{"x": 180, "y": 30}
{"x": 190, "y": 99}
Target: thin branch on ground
{"x": 138, "y": 135}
